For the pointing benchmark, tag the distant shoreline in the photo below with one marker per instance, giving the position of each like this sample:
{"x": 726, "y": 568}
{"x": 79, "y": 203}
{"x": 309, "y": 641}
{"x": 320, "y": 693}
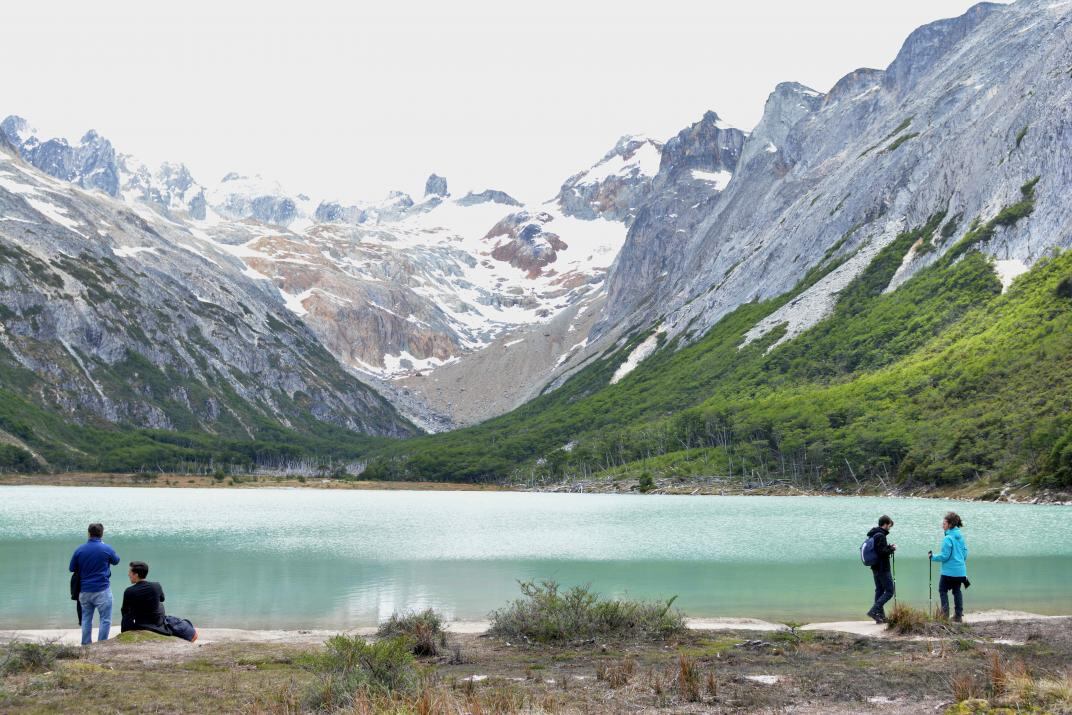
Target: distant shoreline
{"x": 704, "y": 486}
{"x": 202, "y": 481}
{"x": 711, "y": 486}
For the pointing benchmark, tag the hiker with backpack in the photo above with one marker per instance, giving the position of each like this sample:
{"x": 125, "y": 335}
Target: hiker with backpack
{"x": 953, "y": 558}
{"x": 876, "y": 552}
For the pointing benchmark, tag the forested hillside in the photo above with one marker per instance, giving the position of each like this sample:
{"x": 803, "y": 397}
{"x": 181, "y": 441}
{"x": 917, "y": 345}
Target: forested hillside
{"x": 942, "y": 381}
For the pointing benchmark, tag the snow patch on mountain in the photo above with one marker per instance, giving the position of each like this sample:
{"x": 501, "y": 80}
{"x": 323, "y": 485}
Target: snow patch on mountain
{"x": 644, "y": 160}
{"x": 718, "y": 178}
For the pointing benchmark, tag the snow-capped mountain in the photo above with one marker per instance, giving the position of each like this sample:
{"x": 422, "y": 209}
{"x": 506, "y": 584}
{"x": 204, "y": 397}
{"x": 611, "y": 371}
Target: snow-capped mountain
{"x": 617, "y": 185}
{"x": 399, "y": 288}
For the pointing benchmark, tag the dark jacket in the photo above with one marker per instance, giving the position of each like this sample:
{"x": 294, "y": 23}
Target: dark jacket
{"x": 93, "y": 561}
{"x": 882, "y": 549}
{"x": 143, "y": 607}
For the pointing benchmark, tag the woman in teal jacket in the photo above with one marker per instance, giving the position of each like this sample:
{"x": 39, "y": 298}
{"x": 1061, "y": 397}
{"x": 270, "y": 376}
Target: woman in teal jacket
{"x": 954, "y": 567}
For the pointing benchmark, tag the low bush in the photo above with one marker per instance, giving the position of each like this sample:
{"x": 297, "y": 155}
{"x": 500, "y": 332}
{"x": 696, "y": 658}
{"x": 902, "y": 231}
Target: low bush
{"x": 28, "y": 657}
{"x": 904, "y": 619}
{"x": 351, "y": 669}
{"x": 545, "y": 614}
{"x": 424, "y": 629}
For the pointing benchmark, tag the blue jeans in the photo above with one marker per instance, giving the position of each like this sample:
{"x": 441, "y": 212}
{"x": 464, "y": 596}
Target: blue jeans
{"x": 883, "y": 590}
{"x": 101, "y": 601}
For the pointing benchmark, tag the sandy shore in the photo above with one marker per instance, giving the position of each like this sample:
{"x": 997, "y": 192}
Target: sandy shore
{"x": 314, "y": 636}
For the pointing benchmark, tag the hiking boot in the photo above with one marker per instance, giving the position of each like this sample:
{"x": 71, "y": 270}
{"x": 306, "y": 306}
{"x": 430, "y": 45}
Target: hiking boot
{"x": 876, "y": 616}
{"x": 958, "y": 619}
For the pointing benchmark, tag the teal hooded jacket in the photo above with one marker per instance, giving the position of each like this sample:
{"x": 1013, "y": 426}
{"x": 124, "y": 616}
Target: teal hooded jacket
{"x": 954, "y": 554}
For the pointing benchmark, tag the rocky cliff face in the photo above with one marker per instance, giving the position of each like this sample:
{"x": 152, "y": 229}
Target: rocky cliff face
{"x": 971, "y": 110}
{"x": 110, "y": 312}
{"x": 694, "y": 168}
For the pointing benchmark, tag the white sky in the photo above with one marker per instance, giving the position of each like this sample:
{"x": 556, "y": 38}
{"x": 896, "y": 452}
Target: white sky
{"x": 353, "y": 99}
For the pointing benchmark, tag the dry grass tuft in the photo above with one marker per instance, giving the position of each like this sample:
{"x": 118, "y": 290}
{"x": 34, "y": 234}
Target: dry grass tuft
{"x": 904, "y": 619}
{"x": 616, "y": 675}
{"x": 688, "y": 678}
{"x": 964, "y": 687}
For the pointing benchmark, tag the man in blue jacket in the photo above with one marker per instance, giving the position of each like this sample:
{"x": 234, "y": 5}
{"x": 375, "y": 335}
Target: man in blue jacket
{"x": 93, "y": 562}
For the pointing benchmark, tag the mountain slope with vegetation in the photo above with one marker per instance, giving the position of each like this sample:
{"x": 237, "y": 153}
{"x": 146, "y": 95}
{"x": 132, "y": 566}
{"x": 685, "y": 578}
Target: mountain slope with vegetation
{"x": 942, "y": 381}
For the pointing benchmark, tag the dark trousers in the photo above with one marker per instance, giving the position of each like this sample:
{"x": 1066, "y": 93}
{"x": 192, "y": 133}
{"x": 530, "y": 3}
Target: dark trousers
{"x": 947, "y": 584}
{"x": 883, "y": 589}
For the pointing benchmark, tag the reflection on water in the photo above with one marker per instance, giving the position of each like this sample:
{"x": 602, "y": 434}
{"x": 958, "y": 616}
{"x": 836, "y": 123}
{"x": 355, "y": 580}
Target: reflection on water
{"x": 313, "y": 558}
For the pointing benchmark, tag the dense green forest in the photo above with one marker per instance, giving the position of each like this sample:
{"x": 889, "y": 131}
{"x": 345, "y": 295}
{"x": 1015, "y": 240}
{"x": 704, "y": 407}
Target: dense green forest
{"x": 943, "y": 381}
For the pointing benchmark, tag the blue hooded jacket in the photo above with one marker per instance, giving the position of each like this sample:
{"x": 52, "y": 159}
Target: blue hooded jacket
{"x": 954, "y": 554}
{"x": 93, "y": 561}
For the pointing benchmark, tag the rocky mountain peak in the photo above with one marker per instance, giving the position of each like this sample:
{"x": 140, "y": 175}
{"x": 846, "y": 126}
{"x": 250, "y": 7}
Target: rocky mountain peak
{"x": 706, "y": 146}
{"x": 436, "y": 186}
{"x": 616, "y": 186}
{"x": 929, "y": 43}
{"x": 787, "y": 104}
{"x": 91, "y": 164}
{"x": 16, "y": 130}
{"x": 488, "y": 196}
{"x": 855, "y": 83}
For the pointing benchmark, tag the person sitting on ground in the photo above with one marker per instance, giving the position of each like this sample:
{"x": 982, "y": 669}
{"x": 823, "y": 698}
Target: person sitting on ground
{"x": 880, "y": 570}
{"x": 93, "y": 562}
{"x": 143, "y": 602}
{"x": 954, "y": 559}
{"x": 143, "y": 607}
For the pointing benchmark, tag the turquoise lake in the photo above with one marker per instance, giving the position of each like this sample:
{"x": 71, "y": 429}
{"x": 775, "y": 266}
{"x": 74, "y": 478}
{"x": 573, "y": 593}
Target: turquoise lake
{"x": 293, "y": 558}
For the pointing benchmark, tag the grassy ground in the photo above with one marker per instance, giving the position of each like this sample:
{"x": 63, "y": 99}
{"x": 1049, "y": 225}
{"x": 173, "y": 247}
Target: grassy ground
{"x": 698, "y": 671}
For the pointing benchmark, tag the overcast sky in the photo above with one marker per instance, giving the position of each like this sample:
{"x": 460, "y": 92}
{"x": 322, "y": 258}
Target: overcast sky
{"x": 353, "y": 99}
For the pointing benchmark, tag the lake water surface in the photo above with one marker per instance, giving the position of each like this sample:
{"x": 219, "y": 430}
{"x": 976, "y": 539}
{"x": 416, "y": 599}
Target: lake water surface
{"x": 291, "y": 558}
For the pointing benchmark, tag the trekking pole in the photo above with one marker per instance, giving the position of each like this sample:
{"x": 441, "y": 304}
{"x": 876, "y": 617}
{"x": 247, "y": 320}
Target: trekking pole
{"x": 893, "y": 560}
{"x": 930, "y": 586}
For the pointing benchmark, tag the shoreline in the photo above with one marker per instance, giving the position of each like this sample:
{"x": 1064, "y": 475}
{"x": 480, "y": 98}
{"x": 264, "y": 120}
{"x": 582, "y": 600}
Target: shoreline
{"x": 703, "y": 486}
{"x": 314, "y": 636}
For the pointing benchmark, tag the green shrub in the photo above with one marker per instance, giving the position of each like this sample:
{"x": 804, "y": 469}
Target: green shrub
{"x": 350, "y": 669}
{"x": 16, "y": 459}
{"x": 547, "y": 615}
{"x": 423, "y": 629}
{"x": 27, "y": 656}
{"x": 1021, "y": 134}
{"x": 645, "y": 484}
{"x": 901, "y": 140}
